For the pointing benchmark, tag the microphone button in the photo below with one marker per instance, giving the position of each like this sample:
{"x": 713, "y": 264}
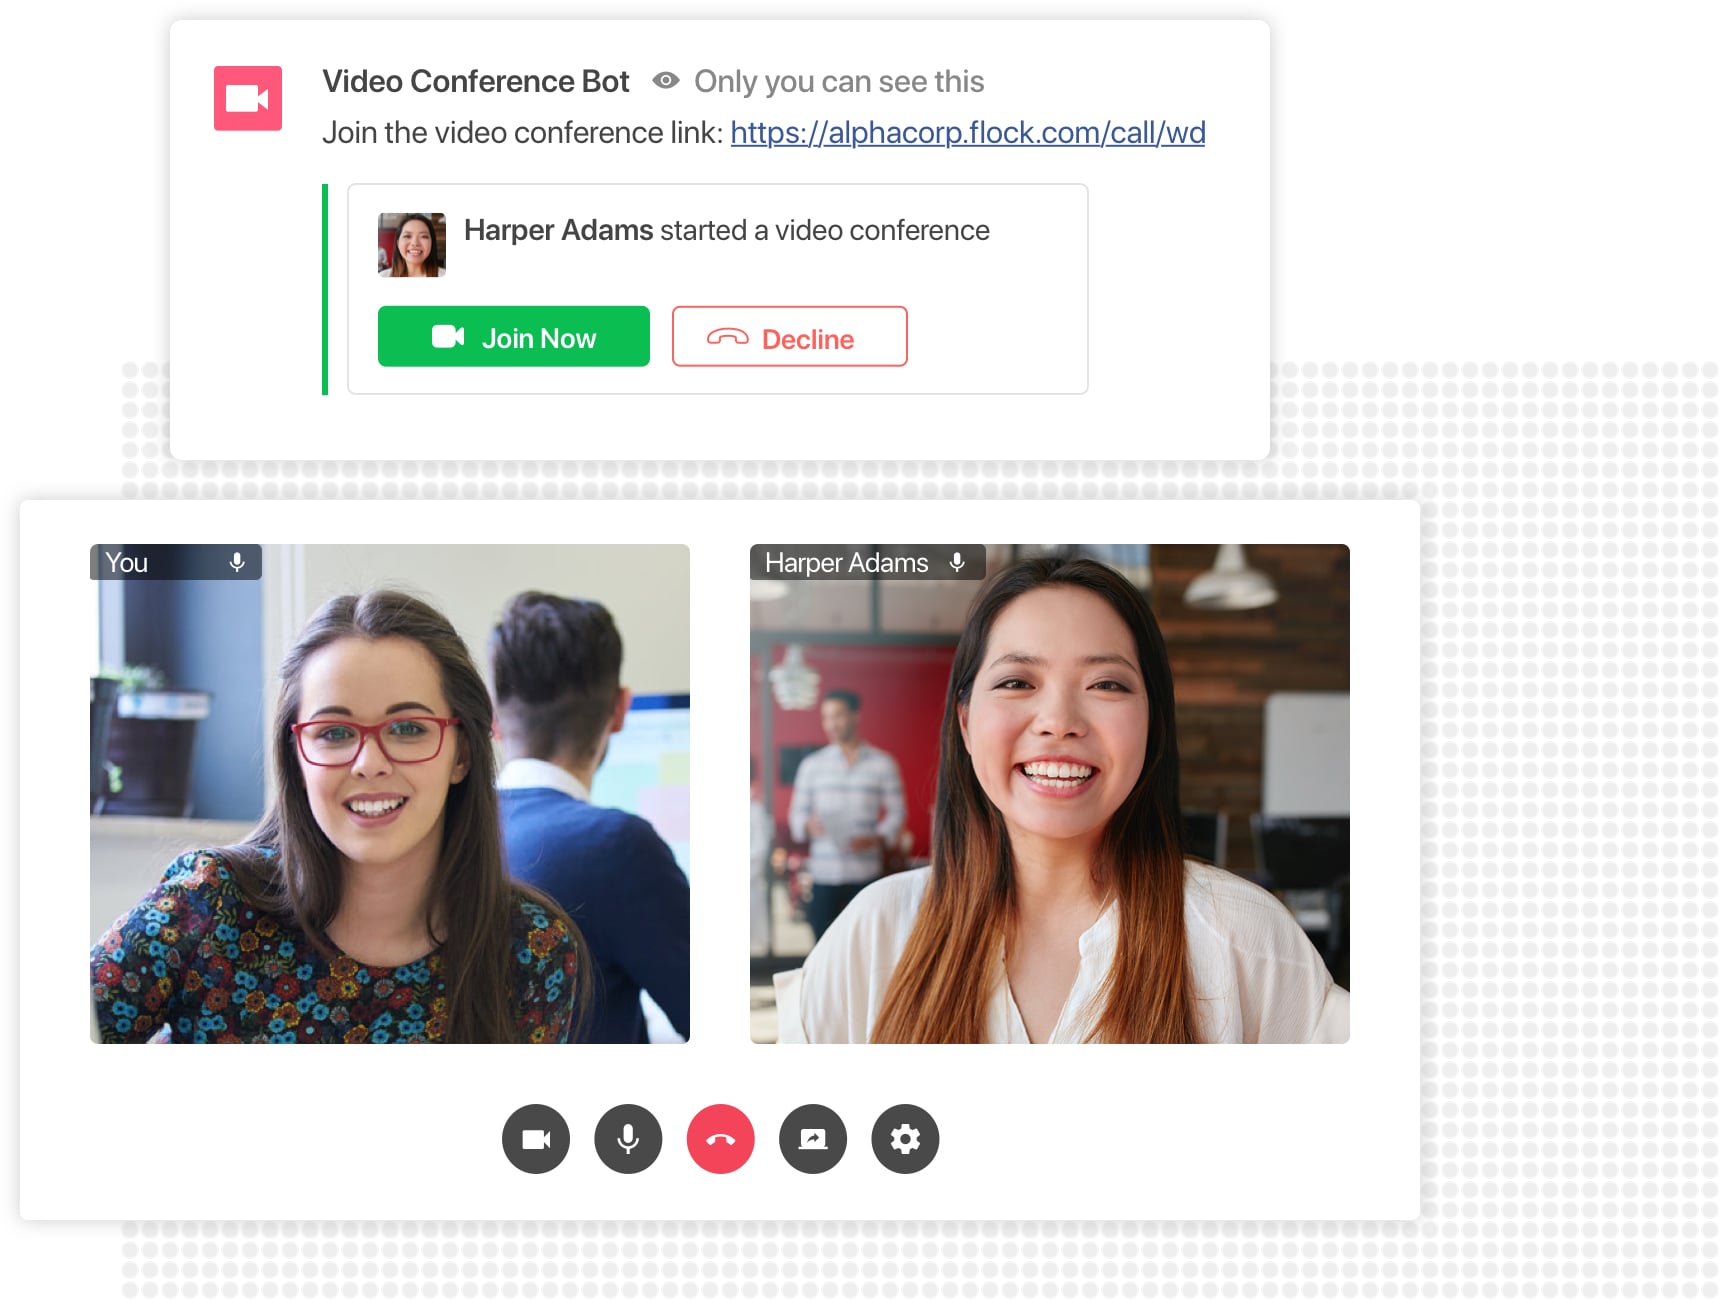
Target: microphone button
{"x": 628, "y": 1139}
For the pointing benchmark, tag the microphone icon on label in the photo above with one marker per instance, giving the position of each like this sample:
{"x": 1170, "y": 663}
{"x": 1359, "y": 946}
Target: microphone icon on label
{"x": 627, "y": 1141}
{"x": 237, "y": 562}
{"x": 956, "y": 562}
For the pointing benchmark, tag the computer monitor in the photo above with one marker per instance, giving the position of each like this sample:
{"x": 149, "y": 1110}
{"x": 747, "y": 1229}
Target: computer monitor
{"x": 1302, "y": 852}
{"x": 646, "y": 769}
{"x": 1203, "y": 834}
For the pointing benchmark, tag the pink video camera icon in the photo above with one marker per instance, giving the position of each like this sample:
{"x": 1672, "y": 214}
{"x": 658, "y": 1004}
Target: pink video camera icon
{"x": 247, "y": 99}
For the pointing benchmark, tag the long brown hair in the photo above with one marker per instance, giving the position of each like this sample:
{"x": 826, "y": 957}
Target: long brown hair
{"x": 288, "y": 866}
{"x": 946, "y": 973}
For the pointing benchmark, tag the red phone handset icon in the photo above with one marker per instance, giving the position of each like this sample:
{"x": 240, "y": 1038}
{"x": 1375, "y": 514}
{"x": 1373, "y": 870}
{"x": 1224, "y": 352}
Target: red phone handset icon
{"x": 727, "y": 334}
{"x": 720, "y": 1139}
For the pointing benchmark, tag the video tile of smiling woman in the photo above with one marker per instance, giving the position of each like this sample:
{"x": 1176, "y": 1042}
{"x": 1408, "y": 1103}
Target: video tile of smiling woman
{"x": 1094, "y": 793}
{"x": 394, "y": 794}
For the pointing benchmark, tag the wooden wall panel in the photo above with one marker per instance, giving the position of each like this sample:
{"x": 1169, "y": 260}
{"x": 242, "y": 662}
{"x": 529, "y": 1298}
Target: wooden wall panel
{"x": 1225, "y": 665}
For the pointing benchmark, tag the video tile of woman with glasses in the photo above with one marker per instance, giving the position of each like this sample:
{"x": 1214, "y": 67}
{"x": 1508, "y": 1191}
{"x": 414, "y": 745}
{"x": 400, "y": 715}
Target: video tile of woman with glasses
{"x": 372, "y": 903}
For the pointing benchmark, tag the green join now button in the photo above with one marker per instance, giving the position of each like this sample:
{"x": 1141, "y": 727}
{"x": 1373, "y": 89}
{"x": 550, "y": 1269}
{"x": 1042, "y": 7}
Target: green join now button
{"x": 513, "y": 336}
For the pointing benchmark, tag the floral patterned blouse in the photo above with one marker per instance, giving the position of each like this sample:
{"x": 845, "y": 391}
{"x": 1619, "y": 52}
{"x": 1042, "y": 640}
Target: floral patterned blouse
{"x": 195, "y": 959}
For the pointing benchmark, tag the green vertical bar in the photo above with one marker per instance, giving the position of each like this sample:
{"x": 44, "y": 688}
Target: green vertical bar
{"x": 325, "y": 290}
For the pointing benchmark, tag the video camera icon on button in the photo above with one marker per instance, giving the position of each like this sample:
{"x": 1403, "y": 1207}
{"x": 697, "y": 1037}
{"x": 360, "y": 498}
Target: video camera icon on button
{"x": 534, "y": 1139}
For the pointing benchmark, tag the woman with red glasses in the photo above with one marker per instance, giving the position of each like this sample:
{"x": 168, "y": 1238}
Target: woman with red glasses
{"x": 373, "y": 903}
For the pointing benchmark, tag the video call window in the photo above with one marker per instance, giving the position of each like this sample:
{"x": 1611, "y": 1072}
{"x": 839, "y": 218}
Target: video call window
{"x": 1020, "y": 706}
{"x": 270, "y": 712}
{"x": 406, "y": 794}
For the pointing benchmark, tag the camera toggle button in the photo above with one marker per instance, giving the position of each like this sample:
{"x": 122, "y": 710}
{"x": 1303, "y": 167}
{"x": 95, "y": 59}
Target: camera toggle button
{"x": 534, "y": 1139}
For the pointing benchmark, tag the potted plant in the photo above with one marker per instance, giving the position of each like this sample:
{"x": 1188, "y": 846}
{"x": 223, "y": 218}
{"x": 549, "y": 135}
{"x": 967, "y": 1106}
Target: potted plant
{"x": 147, "y": 755}
{"x": 104, "y": 694}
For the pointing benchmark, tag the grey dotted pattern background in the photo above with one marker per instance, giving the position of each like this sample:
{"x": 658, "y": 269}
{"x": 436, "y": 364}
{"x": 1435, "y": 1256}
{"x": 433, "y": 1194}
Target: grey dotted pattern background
{"x": 1570, "y": 729}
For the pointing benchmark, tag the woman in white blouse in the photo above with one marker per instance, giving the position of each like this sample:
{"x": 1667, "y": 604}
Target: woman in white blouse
{"x": 1059, "y": 906}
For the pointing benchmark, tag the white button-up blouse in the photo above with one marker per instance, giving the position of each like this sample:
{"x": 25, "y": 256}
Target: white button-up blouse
{"x": 1256, "y": 976}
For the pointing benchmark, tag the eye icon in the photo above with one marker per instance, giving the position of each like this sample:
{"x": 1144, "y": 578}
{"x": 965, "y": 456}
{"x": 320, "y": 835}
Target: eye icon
{"x": 665, "y": 81}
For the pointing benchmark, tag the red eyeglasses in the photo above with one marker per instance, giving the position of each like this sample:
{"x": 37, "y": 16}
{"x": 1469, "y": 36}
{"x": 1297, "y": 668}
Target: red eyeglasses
{"x": 335, "y": 742}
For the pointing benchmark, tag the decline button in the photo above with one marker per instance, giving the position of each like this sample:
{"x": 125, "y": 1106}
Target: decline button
{"x": 789, "y": 336}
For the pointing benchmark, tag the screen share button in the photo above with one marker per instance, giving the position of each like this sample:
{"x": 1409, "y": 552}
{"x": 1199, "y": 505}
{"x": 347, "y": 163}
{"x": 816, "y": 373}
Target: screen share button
{"x": 813, "y": 1139}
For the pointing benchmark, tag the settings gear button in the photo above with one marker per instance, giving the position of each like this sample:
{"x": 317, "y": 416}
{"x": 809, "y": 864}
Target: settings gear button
{"x": 905, "y": 1139}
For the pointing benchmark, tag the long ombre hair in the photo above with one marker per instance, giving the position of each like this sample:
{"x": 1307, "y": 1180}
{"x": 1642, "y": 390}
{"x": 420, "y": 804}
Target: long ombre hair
{"x": 947, "y": 971}
{"x": 289, "y": 867}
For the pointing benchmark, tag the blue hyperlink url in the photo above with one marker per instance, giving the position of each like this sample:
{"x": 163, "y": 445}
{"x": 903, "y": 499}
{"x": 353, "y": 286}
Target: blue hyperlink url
{"x": 1145, "y": 133}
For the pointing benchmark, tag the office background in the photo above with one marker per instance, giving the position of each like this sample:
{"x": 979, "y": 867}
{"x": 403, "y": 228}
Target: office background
{"x": 1261, "y": 672}
{"x": 219, "y": 644}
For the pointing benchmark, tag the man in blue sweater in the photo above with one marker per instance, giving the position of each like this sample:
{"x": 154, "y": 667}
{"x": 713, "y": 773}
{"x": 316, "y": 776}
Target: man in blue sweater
{"x": 556, "y": 664}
